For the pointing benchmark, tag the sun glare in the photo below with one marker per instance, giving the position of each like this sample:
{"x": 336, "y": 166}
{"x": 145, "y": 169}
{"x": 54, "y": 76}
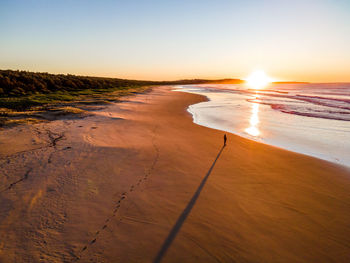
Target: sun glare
{"x": 258, "y": 79}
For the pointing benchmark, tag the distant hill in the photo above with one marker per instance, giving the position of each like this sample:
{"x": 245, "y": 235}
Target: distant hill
{"x": 226, "y": 81}
{"x": 290, "y": 82}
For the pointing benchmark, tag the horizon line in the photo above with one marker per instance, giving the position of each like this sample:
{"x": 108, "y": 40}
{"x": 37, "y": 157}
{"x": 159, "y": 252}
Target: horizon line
{"x": 179, "y": 79}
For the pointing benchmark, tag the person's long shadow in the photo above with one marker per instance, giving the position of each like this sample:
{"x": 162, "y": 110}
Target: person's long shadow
{"x": 176, "y": 228}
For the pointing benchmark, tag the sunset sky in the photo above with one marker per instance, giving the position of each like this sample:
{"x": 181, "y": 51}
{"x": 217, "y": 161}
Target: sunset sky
{"x": 302, "y": 40}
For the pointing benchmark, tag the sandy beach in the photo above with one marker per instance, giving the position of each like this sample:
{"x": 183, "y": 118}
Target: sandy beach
{"x": 139, "y": 182}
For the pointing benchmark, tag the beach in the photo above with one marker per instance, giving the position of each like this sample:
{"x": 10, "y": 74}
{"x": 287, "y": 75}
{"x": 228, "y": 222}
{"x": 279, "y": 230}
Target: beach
{"x": 138, "y": 181}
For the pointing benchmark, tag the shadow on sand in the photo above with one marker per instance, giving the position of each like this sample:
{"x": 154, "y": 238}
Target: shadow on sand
{"x": 176, "y": 228}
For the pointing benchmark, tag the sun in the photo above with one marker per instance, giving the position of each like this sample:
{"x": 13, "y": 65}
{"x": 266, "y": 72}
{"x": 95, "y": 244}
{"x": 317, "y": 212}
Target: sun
{"x": 258, "y": 79}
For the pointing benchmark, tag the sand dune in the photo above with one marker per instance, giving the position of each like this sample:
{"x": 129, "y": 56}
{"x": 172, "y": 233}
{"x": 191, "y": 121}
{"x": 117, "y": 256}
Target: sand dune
{"x": 136, "y": 182}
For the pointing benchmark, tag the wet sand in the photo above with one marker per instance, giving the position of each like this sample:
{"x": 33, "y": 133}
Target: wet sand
{"x": 139, "y": 182}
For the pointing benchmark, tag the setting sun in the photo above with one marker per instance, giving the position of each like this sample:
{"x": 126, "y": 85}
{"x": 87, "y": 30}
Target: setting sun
{"x": 258, "y": 79}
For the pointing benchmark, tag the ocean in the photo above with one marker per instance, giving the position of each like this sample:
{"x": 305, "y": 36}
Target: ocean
{"x": 312, "y": 119}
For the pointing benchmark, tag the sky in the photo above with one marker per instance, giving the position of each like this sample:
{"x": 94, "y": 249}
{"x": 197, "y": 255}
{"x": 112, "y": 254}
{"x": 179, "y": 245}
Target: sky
{"x": 300, "y": 40}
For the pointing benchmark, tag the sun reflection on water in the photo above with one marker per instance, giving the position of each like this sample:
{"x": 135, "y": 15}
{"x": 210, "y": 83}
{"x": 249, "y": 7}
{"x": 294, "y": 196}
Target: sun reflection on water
{"x": 253, "y": 129}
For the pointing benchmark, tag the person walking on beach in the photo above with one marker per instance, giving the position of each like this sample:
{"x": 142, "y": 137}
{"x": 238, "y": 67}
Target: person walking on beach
{"x": 225, "y": 139}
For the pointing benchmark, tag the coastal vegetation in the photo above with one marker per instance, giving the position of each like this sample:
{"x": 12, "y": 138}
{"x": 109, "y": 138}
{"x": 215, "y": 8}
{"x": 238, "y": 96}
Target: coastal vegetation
{"x": 22, "y": 90}
{"x": 31, "y": 97}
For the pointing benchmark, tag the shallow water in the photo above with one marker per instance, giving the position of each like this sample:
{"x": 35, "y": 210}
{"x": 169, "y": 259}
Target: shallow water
{"x": 312, "y": 119}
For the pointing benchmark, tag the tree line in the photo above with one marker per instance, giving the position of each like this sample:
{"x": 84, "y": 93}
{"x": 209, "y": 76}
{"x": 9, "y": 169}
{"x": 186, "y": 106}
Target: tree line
{"x": 15, "y": 83}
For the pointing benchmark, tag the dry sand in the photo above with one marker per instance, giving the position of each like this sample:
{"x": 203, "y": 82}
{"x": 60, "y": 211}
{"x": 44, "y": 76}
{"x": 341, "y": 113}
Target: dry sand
{"x": 120, "y": 186}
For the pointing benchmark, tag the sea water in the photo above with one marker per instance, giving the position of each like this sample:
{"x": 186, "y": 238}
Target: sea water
{"x": 312, "y": 119}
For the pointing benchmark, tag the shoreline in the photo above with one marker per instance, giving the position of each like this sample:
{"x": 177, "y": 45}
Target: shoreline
{"x": 123, "y": 177}
{"x": 284, "y": 146}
